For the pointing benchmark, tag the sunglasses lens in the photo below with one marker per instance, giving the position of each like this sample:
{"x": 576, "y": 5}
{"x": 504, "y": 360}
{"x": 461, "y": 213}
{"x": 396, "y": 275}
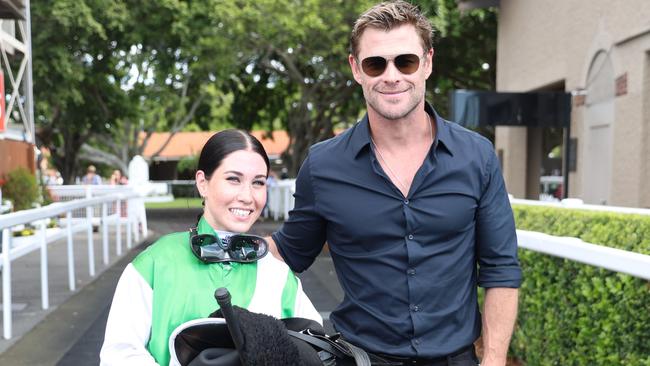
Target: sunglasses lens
{"x": 373, "y": 66}
{"x": 376, "y": 65}
{"x": 407, "y": 64}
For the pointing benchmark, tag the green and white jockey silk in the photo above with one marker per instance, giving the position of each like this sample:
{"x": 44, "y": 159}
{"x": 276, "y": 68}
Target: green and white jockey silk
{"x": 166, "y": 285}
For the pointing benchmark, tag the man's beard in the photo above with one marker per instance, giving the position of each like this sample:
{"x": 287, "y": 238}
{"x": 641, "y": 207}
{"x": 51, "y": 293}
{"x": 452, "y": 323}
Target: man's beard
{"x": 392, "y": 114}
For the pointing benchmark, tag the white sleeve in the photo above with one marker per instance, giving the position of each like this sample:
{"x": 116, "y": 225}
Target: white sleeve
{"x": 129, "y": 322}
{"x": 303, "y": 307}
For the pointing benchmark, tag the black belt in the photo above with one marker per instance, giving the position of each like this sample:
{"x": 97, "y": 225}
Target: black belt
{"x": 438, "y": 361}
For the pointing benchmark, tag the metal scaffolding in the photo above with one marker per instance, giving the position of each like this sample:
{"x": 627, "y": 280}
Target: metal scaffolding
{"x": 16, "y": 65}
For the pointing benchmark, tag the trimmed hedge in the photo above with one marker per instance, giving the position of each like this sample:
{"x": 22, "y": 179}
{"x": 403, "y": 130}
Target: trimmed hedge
{"x": 577, "y": 314}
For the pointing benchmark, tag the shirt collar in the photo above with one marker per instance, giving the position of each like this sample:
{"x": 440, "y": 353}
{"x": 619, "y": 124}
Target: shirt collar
{"x": 443, "y": 136}
{"x": 360, "y": 137}
{"x": 205, "y": 228}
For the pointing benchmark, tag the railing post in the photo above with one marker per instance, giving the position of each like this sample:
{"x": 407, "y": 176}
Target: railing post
{"x": 91, "y": 249}
{"x": 6, "y": 283}
{"x": 286, "y": 193}
{"x": 105, "y": 234}
{"x": 276, "y": 202}
{"x": 118, "y": 235}
{"x": 129, "y": 229}
{"x": 71, "y": 277}
{"x": 45, "y": 295}
{"x": 143, "y": 218}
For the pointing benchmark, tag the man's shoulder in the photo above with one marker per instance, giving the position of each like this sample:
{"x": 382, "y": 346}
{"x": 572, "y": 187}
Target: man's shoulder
{"x": 334, "y": 147}
{"x": 464, "y": 138}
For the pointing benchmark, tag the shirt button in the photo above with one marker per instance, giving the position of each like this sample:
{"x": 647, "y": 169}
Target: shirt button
{"x": 410, "y": 237}
{"x": 415, "y": 308}
{"x": 417, "y": 341}
{"x": 411, "y": 272}
{"x": 406, "y": 202}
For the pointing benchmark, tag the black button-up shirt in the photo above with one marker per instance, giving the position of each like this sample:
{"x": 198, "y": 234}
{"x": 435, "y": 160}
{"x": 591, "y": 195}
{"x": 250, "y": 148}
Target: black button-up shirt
{"x": 409, "y": 266}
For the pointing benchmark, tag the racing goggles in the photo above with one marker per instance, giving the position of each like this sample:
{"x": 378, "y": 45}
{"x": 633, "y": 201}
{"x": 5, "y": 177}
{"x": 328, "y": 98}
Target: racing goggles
{"x": 242, "y": 248}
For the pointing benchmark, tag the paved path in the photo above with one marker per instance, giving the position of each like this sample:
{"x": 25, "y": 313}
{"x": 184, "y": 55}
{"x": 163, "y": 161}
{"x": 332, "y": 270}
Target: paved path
{"x": 72, "y": 333}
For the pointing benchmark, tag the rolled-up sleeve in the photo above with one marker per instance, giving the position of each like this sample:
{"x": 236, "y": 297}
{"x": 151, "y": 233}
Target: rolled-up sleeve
{"x": 301, "y": 237}
{"x": 496, "y": 238}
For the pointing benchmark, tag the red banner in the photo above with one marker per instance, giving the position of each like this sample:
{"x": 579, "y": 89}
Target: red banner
{"x": 2, "y": 102}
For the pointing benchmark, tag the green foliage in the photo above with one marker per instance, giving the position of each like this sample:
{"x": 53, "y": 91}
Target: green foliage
{"x": 76, "y": 45}
{"x": 464, "y": 41}
{"x": 294, "y": 68}
{"x": 576, "y": 314}
{"x": 108, "y": 74}
{"x": 21, "y": 189}
{"x": 187, "y": 166}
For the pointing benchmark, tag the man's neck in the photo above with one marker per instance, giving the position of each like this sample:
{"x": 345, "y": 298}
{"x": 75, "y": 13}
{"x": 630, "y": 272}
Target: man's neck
{"x": 414, "y": 129}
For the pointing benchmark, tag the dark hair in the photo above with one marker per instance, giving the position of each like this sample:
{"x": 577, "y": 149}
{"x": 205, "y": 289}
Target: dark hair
{"x": 225, "y": 142}
{"x": 389, "y": 15}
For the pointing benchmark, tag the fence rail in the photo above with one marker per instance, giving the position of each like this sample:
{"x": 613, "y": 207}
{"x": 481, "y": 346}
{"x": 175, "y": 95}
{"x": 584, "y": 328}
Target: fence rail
{"x": 635, "y": 264}
{"x": 14, "y": 248}
{"x": 575, "y": 249}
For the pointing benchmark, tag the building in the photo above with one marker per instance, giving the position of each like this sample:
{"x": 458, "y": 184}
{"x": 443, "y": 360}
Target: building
{"x": 17, "y": 136}
{"x": 599, "y": 51}
{"x": 187, "y": 144}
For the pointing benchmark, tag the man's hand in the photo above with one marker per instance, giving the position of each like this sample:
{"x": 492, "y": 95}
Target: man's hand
{"x": 499, "y": 316}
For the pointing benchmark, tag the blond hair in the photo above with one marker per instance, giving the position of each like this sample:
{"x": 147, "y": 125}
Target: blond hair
{"x": 389, "y": 15}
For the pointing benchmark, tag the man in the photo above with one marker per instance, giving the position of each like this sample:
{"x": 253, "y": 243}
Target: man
{"x": 413, "y": 208}
{"x": 91, "y": 176}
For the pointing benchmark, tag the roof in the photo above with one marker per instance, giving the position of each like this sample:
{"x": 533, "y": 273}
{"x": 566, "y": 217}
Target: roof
{"x": 184, "y": 144}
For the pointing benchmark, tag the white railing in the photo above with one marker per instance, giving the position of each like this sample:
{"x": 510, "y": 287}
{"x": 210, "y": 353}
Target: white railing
{"x": 575, "y": 249}
{"x": 635, "y": 264}
{"x": 5, "y": 206}
{"x": 14, "y": 248}
{"x": 280, "y": 199}
{"x": 133, "y": 208}
{"x": 578, "y": 204}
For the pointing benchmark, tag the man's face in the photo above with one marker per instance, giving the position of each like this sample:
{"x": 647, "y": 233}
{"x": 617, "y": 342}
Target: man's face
{"x": 392, "y": 94}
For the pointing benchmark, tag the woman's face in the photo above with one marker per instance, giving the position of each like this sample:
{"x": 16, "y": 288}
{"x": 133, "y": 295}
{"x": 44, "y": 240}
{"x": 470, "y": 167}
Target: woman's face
{"x": 235, "y": 194}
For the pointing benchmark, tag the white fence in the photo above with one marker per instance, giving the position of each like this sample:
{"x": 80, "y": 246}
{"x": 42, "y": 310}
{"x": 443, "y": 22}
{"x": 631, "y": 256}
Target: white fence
{"x": 635, "y": 264}
{"x": 280, "y": 199}
{"x": 96, "y": 212}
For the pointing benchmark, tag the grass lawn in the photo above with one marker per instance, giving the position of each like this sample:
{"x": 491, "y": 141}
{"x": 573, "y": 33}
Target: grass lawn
{"x": 176, "y": 203}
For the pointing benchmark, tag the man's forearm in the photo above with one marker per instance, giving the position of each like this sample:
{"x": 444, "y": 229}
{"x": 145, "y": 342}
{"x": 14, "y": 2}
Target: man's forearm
{"x": 499, "y": 316}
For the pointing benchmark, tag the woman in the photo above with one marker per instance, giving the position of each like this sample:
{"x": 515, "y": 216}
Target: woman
{"x": 170, "y": 282}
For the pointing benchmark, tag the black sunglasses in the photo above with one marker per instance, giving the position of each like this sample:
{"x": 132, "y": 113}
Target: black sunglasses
{"x": 242, "y": 248}
{"x": 376, "y": 65}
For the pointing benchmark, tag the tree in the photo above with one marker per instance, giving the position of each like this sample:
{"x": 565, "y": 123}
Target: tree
{"x": 295, "y": 68}
{"x": 109, "y": 74}
{"x": 465, "y": 52}
{"x": 162, "y": 82}
{"x": 74, "y": 73}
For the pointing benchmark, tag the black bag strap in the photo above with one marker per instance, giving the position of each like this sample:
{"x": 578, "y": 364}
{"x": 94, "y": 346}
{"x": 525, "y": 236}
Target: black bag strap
{"x": 327, "y": 345}
{"x": 360, "y": 356}
{"x": 338, "y": 348}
